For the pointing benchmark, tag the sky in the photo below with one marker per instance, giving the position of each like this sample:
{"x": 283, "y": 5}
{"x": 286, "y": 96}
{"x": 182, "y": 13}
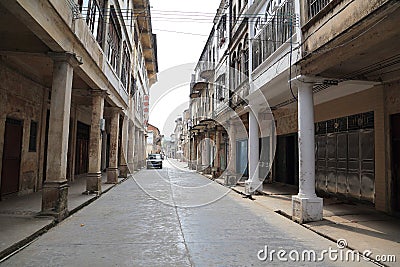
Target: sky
{"x": 177, "y": 55}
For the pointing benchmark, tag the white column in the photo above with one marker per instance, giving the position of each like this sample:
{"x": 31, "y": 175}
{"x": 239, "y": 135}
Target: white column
{"x": 306, "y": 205}
{"x": 232, "y": 151}
{"x": 253, "y": 184}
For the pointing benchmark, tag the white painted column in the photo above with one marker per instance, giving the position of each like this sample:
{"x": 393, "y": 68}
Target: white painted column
{"x": 232, "y": 149}
{"x": 306, "y": 205}
{"x": 253, "y": 184}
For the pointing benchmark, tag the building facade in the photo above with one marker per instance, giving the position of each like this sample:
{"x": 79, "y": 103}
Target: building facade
{"x": 154, "y": 140}
{"x": 75, "y": 75}
{"x": 314, "y": 86}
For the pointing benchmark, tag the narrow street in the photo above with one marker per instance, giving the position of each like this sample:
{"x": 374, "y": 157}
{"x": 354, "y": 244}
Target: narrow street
{"x": 135, "y": 224}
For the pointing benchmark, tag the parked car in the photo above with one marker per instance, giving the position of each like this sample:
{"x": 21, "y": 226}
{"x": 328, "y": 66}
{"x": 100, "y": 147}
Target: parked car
{"x": 154, "y": 161}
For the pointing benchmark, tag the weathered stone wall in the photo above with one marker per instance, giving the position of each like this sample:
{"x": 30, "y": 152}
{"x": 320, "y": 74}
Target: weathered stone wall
{"x": 285, "y": 120}
{"x": 22, "y": 99}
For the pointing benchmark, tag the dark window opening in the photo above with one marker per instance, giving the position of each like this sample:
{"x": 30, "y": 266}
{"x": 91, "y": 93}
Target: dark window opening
{"x": 33, "y": 136}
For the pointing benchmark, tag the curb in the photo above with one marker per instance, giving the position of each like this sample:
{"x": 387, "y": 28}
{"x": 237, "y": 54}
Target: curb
{"x": 287, "y": 216}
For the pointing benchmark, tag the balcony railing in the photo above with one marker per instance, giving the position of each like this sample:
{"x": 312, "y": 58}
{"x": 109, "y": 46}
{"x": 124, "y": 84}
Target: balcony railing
{"x": 315, "y": 6}
{"x": 274, "y": 33}
{"x": 207, "y": 69}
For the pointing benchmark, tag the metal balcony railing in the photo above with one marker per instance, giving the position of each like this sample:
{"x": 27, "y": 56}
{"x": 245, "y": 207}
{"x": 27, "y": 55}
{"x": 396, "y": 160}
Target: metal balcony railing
{"x": 207, "y": 69}
{"x": 277, "y": 31}
{"x": 315, "y": 6}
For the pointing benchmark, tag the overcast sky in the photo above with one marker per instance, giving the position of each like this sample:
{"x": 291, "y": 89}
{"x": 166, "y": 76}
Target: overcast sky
{"x": 177, "y": 54}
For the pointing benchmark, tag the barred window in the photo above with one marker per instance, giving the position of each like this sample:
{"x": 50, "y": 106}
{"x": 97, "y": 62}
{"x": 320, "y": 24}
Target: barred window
{"x": 93, "y": 12}
{"x": 114, "y": 40}
{"x": 126, "y": 62}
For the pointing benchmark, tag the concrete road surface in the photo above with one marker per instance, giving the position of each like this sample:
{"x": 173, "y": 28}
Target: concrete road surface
{"x": 176, "y": 217}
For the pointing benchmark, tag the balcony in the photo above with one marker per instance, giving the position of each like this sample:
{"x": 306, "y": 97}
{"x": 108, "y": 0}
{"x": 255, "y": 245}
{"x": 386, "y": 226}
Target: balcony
{"x": 207, "y": 70}
{"x": 276, "y": 32}
{"x": 315, "y": 6}
{"x": 351, "y": 40}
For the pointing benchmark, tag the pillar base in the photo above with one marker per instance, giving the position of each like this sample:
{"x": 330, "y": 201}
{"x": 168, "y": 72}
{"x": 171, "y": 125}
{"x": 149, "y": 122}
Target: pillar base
{"x": 55, "y": 200}
{"x": 123, "y": 171}
{"x": 93, "y": 183}
{"x": 251, "y": 188}
{"x": 131, "y": 167}
{"x": 112, "y": 175}
{"x": 306, "y": 209}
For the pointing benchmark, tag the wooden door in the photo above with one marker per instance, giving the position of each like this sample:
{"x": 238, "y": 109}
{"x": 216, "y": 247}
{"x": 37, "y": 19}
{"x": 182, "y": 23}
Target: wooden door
{"x": 11, "y": 156}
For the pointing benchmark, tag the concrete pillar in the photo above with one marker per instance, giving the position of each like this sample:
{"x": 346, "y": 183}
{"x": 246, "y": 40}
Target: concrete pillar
{"x": 217, "y": 156}
{"x": 144, "y": 148}
{"x": 253, "y": 184}
{"x": 93, "y": 180}
{"x": 55, "y": 189}
{"x": 131, "y": 146}
{"x": 123, "y": 161}
{"x": 136, "y": 149}
{"x": 206, "y": 151}
{"x": 104, "y": 150}
{"x": 306, "y": 206}
{"x": 232, "y": 149}
{"x": 200, "y": 144}
{"x": 112, "y": 170}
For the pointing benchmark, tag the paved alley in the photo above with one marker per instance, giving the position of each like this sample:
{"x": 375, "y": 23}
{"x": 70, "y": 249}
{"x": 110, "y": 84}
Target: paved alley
{"x": 174, "y": 217}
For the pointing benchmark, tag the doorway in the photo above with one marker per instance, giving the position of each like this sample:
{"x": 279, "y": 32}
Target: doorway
{"x": 286, "y": 163}
{"x": 82, "y": 148}
{"x": 11, "y": 156}
{"x": 241, "y": 158}
{"x": 395, "y": 136}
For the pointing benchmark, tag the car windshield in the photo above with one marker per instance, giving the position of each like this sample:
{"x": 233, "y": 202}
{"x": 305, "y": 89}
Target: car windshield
{"x": 155, "y": 156}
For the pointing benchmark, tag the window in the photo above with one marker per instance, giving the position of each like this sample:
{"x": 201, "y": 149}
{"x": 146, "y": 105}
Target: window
{"x": 277, "y": 31}
{"x": 246, "y": 59}
{"x": 33, "y": 136}
{"x": 222, "y": 31}
{"x": 93, "y": 12}
{"x": 220, "y": 87}
{"x": 113, "y": 41}
{"x": 126, "y": 62}
{"x": 315, "y": 6}
{"x": 133, "y": 86}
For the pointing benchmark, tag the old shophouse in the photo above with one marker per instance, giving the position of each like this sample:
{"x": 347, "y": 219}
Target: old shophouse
{"x": 74, "y": 75}
{"x": 313, "y": 86}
